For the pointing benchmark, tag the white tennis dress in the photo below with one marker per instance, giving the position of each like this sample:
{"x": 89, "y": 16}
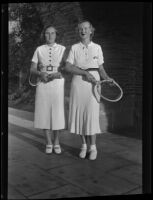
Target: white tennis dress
{"x": 83, "y": 108}
{"x": 49, "y": 99}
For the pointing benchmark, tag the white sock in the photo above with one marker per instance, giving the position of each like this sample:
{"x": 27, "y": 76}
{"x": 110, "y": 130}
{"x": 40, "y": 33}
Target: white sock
{"x": 84, "y": 146}
{"x": 57, "y": 145}
{"x": 93, "y": 147}
{"x": 49, "y": 145}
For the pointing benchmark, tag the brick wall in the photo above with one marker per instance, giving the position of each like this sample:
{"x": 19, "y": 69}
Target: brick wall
{"x": 119, "y": 32}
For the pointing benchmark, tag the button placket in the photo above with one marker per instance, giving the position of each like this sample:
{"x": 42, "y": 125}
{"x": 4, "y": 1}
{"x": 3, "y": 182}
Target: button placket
{"x": 86, "y": 53}
{"x": 50, "y": 53}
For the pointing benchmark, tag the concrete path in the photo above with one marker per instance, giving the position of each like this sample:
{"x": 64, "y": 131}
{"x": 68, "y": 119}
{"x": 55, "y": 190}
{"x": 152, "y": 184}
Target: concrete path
{"x": 34, "y": 175}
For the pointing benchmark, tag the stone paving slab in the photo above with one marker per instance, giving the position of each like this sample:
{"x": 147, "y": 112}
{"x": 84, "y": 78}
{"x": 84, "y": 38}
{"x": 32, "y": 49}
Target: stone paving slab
{"x": 135, "y": 157}
{"x": 39, "y": 143}
{"x": 107, "y": 144}
{"x": 135, "y": 191}
{"x": 133, "y": 173}
{"x": 22, "y": 114}
{"x": 15, "y": 147}
{"x": 88, "y": 175}
{"x": 33, "y": 174}
{"x": 13, "y": 193}
{"x": 32, "y": 155}
{"x": 106, "y": 162}
{"x": 30, "y": 180}
{"x": 111, "y": 184}
{"x": 125, "y": 141}
{"x": 130, "y": 149}
{"x": 81, "y": 178}
{"x": 110, "y": 147}
{"x": 21, "y": 122}
{"x": 66, "y": 191}
{"x": 86, "y": 168}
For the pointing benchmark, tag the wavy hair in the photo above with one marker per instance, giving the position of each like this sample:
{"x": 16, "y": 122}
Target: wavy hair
{"x": 91, "y": 26}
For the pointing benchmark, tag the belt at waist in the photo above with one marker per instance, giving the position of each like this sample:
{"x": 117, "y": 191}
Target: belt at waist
{"x": 48, "y": 68}
{"x": 92, "y": 69}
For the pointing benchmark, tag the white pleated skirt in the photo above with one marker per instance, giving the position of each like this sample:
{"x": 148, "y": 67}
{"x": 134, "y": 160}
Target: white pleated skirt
{"x": 84, "y": 109}
{"x": 49, "y": 105}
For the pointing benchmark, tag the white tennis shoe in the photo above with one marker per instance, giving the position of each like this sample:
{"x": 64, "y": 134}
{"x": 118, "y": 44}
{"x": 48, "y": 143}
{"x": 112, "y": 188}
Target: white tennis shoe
{"x": 92, "y": 154}
{"x": 83, "y": 153}
{"x": 57, "y": 149}
{"x": 49, "y": 148}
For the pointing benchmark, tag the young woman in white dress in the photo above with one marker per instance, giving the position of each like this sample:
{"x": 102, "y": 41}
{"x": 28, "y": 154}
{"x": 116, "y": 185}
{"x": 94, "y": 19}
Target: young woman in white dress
{"x": 49, "y": 100}
{"x": 85, "y": 62}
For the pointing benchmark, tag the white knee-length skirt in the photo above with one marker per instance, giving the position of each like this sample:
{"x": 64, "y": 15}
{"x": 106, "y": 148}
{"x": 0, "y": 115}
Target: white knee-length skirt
{"x": 49, "y": 105}
{"x": 84, "y": 109}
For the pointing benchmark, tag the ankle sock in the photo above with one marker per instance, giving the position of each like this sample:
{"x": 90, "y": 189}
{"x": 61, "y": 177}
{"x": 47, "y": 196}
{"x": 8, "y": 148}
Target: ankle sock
{"x": 49, "y": 145}
{"x": 84, "y": 146}
{"x": 93, "y": 147}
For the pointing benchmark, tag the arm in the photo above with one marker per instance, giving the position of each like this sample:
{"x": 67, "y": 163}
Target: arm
{"x": 103, "y": 73}
{"x": 71, "y": 68}
{"x": 76, "y": 70}
{"x": 33, "y": 69}
{"x": 69, "y": 65}
{"x": 42, "y": 75}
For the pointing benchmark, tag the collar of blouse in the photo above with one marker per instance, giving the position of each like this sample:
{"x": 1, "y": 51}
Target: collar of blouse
{"x": 51, "y": 46}
{"x": 83, "y": 45}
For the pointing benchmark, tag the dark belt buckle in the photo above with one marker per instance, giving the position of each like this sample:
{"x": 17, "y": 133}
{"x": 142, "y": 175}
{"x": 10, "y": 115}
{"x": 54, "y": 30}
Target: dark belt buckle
{"x": 49, "y": 68}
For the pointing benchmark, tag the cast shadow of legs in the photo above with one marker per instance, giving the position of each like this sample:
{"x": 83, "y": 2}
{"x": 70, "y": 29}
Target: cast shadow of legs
{"x": 22, "y": 133}
{"x": 74, "y": 152}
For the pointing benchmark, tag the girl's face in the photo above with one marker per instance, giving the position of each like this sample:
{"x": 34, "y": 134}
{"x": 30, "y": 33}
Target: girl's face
{"x": 85, "y": 30}
{"x": 50, "y": 35}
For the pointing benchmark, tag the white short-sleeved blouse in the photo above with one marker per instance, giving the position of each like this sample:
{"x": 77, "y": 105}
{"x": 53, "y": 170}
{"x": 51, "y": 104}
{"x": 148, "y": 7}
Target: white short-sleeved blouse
{"x": 49, "y": 55}
{"x": 86, "y": 57}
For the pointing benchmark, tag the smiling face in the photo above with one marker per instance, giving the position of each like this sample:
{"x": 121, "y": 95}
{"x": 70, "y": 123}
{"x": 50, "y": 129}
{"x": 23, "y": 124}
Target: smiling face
{"x": 50, "y": 35}
{"x": 85, "y": 30}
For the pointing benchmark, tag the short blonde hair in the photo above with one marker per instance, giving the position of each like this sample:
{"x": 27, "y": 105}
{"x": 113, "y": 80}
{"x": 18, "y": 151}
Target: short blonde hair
{"x": 91, "y": 26}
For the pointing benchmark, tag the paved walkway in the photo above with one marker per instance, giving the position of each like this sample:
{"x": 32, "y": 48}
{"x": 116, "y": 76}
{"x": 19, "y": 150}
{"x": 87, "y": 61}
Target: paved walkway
{"x": 34, "y": 175}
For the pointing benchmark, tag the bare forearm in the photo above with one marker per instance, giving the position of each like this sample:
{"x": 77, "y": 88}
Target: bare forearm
{"x": 102, "y": 72}
{"x": 74, "y": 69}
{"x": 34, "y": 70}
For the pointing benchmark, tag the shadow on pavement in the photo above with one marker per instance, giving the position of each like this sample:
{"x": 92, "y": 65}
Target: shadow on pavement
{"x": 21, "y": 132}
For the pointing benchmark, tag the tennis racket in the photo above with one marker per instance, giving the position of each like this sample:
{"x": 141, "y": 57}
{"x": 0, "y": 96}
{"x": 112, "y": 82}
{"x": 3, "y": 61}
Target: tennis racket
{"x": 34, "y": 80}
{"x": 108, "y": 90}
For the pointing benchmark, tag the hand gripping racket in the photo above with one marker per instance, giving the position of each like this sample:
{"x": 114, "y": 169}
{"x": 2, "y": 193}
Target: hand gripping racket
{"x": 108, "y": 90}
{"x": 34, "y": 80}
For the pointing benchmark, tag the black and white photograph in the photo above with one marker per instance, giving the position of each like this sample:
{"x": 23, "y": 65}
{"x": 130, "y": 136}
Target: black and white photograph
{"x": 75, "y": 99}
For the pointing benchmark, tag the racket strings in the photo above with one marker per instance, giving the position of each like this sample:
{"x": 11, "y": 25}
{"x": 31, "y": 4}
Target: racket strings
{"x": 34, "y": 80}
{"x": 109, "y": 90}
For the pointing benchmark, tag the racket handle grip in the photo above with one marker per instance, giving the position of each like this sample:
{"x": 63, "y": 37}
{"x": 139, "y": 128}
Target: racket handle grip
{"x": 39, "y": 73}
